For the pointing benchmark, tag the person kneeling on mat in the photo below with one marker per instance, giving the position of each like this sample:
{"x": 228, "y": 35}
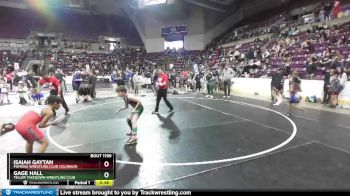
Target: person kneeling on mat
{"x": 37, "y": 97}
{"x": 29, "y": 124}
{"x": 135, "y": 114}
{"x": 84, "y": 94}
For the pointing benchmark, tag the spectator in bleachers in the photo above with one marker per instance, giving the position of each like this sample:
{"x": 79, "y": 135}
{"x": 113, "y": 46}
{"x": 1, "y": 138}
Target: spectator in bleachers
{"x": 327, "y": 53}
{"x": 324, "y": 36}
{"x": 250, "y": 54}
{"x": 137, "y": 58}
{"x": 286, "y": 56}
{"x": 310, "y": 47}
{"x": 335, "y": 63}
{"x": 258, "y": 54}
{"x": 266, "y": 55}
{"x": 276, "y": 49}
{"x": 311, "y": 68}
{"x": 287, "y": 68}
{"x": 336, "y": 8}
{"x": 347, "y": 62}
{"x": 328, "y": 10}
{"x": 325, "y": 62}
{"x": 342, "y": 40}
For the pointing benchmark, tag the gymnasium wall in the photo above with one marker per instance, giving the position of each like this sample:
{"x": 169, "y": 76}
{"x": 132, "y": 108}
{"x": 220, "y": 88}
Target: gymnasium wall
{"x": 261, "y": 87}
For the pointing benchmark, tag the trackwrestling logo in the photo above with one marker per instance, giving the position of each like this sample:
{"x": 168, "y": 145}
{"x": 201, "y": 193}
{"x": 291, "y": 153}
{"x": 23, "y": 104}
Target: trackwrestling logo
{"x": 28, "y": 192}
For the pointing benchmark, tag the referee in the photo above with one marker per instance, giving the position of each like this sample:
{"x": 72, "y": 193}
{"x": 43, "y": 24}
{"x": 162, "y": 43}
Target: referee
{"x": 162, "y": 83}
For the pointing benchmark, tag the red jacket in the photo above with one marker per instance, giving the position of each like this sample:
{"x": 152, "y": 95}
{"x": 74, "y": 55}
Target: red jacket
{"x": 9, "y": 76}
{"x": 53, "y": 81}
{"x": 163, "y": 78}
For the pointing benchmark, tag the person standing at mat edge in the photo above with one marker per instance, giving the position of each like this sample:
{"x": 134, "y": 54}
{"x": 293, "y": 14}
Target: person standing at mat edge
{"x": 162, "y": 86}
{"x": 135, "y": 113}
{"x": 55, "y": 86}
{"x": 227, "y": 75}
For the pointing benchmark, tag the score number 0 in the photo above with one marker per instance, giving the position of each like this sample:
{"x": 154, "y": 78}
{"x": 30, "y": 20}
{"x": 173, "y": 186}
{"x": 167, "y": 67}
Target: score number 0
{"x": 106, "y": 164}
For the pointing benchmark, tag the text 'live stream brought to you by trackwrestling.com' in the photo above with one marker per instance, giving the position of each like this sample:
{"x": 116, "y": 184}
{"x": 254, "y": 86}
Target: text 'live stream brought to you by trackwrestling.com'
{"x": 103, "y": 192}
{"x": 125, "y": 192}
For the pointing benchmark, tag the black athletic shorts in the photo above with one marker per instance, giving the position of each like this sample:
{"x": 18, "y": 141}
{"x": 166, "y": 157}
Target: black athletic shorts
{"x": 278, "y": 87}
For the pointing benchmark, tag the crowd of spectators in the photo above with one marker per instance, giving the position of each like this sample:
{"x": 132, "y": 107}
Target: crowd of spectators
{"x": 321, "y": 51}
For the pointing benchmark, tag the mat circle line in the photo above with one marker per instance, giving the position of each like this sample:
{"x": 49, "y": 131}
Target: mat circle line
{"x": 261, "y": 153}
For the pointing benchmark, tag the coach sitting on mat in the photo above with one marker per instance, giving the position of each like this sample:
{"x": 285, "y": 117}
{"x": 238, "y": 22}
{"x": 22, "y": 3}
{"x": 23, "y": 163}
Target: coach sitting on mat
{"x": 84, "y": 94}
{"x": 56, "y": 88}
{"x": 162, "y": 85}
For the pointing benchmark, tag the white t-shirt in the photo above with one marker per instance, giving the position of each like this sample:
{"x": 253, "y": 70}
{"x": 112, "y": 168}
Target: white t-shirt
{"x": 137, "y": 79}
{"x": 343, "y": 79}
{"x": 3, "y": 88}
{"x": 236, "y": 53}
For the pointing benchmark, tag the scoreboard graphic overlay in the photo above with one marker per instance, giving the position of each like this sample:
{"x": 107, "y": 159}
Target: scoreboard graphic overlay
{"x": 61, "y": 169}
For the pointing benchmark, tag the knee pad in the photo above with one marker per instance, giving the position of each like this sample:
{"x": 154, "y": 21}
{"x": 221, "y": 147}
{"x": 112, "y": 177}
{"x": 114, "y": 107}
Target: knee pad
{"x": 129, "y": 122}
